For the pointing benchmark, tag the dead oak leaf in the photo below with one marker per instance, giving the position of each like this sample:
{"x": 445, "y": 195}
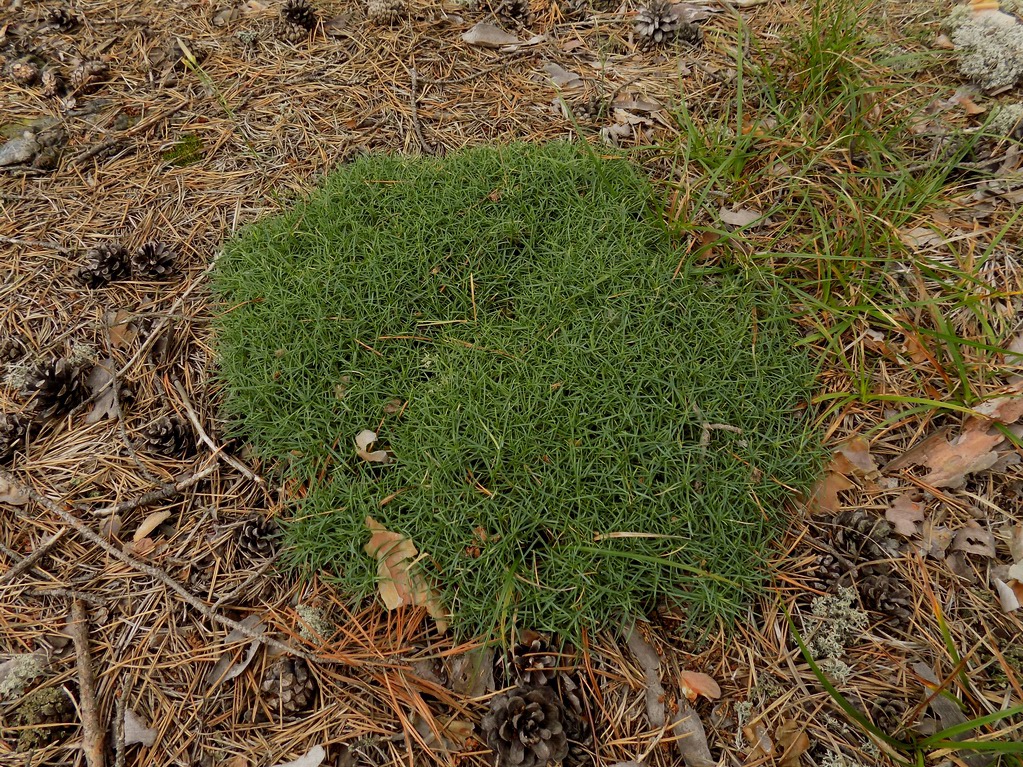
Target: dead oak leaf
{"x": 398, "y": 583}
{"x": 793, "y": 742}
{"x": 905, "y": 514}
{"x": 974, "y": 539}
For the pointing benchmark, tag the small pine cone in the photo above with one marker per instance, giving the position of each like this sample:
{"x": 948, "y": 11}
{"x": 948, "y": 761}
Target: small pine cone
{"x": 257, "y": 538}
{"x": 862, "y": 536}
{"x": 827, "y": 573}
{"x": 657, "y": 23}
{"x": 55, "y": 387}
{"x": 169, "y": 437}
{"x": 51, "y": 84}
{"x": 290, "y": 33}
{"x": 154, "y": 261}
{"x": 886, "y": 595}
{"x": 574, "y": 10}
{"x": 577, "y": 723}
{"x": 103, "y": 264}
{"x": 889, "y": 714}
{"x": 88, "y": 75}
{"x": 299, "y": 12}
{"x": 514, "y": 13}
{"x": 591, "y": 110}
{"x": 61, "y": 19}
{"x": 530, "y": 662}
{"x": 24, "y": 72}
{"x": 385, "y": 11}
{"x": 12, "y": 349}
{"x": 690, "y": 33}
{"x": 36, "y": 716}
{"x": 524, "y": 727}
{"x": 289, "y": 687}
{"x": 13, "y": 429}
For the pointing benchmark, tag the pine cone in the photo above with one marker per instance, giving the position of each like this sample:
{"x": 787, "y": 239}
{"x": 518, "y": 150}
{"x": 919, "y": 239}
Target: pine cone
{"x": 24, "y": 72}
{"x": 385, "y": 11}
{"x": 257, "y": 538}
{"x": 289, "y": 686}
{"x": 530, "y": 662}
{"x": 862, "y": 536}
{"x": 690, "y": 33}
{"x": 524, "y": 728}
{"x": 36, "y": 715}
{"x": 514, "y": 13}
{"x": 154, "y": 261}
{"x": 51, "y": 84}
{"x": 886, "y": 595}
{"x": 290, "y": 33}
{"x": 574, "y": 10}
{"x": 13, "y": 429}
{"x": 169, "y": 436}
{"x": 103, "y": 264}
{"x": 591, "y": 110}
{"x": 88, "y": 75}
{"x": 657, "y": 23}
{"x": 827, "y": 573}
{"x": 12, "y": 349}
{"x": 61, "y": 19}
{"x": 300, "y": 13}
{"x": 54, "y": 386}
{"x": 889, "y": 714}
{"x": 577, "y": 723}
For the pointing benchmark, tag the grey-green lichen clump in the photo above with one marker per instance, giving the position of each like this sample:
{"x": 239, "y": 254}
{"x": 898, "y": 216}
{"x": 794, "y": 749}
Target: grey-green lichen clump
{"x": 990, "y": 45}
{"x": 581, "y": 422}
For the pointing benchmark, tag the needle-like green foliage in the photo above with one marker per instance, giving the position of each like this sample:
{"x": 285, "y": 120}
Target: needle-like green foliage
{"x": 581, "y": 425}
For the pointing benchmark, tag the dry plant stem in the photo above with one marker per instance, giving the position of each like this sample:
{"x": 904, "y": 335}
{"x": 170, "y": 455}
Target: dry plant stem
{"x": 154, "y": 572}
{"x": 29, "y": 243}
{"x": 28, "y": 562}
{"x": 119, "y": 727}
{"x": 218, "y": 451}
{"x": 155, "y": 496}
{"x": 416, "y": 125}
{"x": 92, "y": 732}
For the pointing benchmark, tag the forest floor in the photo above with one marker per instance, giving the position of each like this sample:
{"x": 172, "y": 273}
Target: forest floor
{"x": 836, "y": 145}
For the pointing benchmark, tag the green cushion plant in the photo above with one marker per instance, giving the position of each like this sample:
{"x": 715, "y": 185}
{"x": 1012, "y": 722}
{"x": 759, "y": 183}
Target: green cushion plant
{"x": 581, "y": 422}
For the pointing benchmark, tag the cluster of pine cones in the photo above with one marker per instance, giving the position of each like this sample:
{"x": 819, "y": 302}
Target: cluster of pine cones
{"x": 111, "y": 262}
{"x": 543, "y": 718}
{"x": 859, "y": 549}
{"x": 28, "y": 67}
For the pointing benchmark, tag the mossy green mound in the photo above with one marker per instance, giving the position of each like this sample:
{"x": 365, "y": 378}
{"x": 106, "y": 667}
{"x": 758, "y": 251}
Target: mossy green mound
{"x": 509, "y": 321}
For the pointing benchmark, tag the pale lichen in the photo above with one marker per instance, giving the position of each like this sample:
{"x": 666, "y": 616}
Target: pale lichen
{"x": 840, "y": 623}
{"x": 990, "y": 46}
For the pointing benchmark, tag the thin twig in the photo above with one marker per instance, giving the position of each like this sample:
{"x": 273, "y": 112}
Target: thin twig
{"x": 154, "y": 496}
{"x": 30, "y": 243}
{"x": 416, "y": 125}
{"x": 218, "y": 450}
{"x": 154, "y": 572}
{"x": 119, "y": 726}
{"x": 28, "y": 562}
{"x": 92, "y": 732}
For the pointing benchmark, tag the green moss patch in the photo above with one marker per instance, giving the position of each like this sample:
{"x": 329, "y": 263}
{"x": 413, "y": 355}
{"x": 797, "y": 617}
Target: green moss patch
{"x": 580, "y": 427}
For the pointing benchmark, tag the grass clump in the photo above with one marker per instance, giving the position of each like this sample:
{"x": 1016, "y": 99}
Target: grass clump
{"x": 581, "y": 426}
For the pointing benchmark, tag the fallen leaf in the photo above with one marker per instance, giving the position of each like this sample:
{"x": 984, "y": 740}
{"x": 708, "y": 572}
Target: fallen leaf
{"x": 488, "y": 36}
{"x": 311, "y": 758}
{"x": 561, "y": 77}
{"x": 651, "y": 665}
{"x": 226, "y": 668}
{"x": 363, "y": 440}
{"x": 1006, "y": 410}
{"x": 740, "y": 217}
{"x": 950, "y": 461}
{"x": 694, "y": 684}
{"x": 1009, "y": 597}
{"x": 857, "y": 452}
{"x": 691, "y": 737}
{"x": 975, "y": 540}
{"x": 944, "y": 42}
{"x": 225, "y": 16}
{"x": 397, "y": 582}
{"x": 1016, "y": 543}
{"x": 762, "y": 745}
{"x": 140, "y": 548}
{"x": 934, "y": 540}
{"x": 905, "y": 513}
{"x": 963, "y": 99}
{"x": 120, "y": 329}
{"x": 110, "y": 527}
{"x": 921, "y": 237}
{"x": 253, "y": 7}
{"x": 149, "y": 524}
{"x": 11, "y": 495}
{"x": 793, "y": 742}
{"x": 105, "y": 404}
{"x": 825, "y": 494}
{"x": 135, "y": 730}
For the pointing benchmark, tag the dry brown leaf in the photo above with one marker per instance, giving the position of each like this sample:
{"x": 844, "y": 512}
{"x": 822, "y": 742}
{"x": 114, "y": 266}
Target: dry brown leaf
{"x": 974, "y": 539}
{"x": 761, "y": 744}
{"x": 488, "y": 36}
{"x": 694, "y": 684}
{"x": 120, "y": 329}
{"x": 934, "y": 540}
{"x": 905, "y": 513}
{"x": 561, "y": 77}
{"x": 857, "y": 452}
{"x": 793, "y": 741}
{"x": 363, "y": 440}
{"x": 238, "y": 760}
{"x": 98, "y": 381}
{"x": 970, "y": 452}
{"x": 226, "y": 667}
{"x": 741, "y": 217}
{"x": 312, "y": 758}
{"x": 1010, "y": 595}
{"x": 140, "y": 548}
{"x": 135, "y": 730}
{"x": 1006, "y": 410}
{"x": 149, "y": 524}
{"x": 11, "y": 495}
{"x": 397, "y": 582}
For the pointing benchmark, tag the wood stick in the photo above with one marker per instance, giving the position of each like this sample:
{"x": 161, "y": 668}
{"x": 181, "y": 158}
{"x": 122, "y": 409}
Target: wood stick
{"x": 28, "y": 562}
{"x": 92, "y": 732}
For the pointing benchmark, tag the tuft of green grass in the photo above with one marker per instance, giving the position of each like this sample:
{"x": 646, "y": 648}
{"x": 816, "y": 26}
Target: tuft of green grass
{"x": 581, "y": 425}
